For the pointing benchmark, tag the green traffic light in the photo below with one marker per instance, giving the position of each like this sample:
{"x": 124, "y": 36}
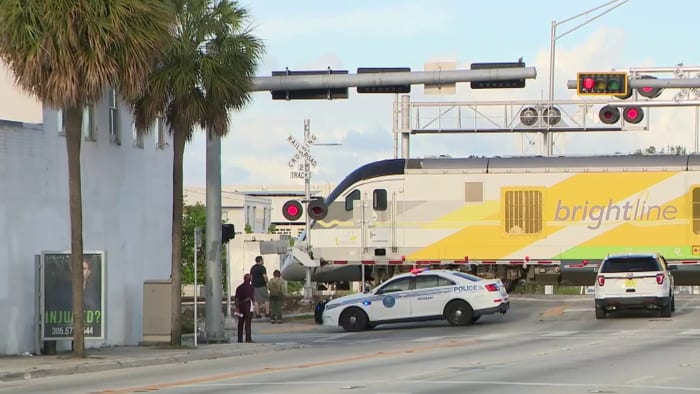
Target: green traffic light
{"x": 614, "y": 86}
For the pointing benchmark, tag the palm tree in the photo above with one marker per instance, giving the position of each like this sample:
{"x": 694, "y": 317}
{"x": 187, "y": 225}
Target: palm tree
{"x": 206, "y": 71}
{"x": 66, "y": 53}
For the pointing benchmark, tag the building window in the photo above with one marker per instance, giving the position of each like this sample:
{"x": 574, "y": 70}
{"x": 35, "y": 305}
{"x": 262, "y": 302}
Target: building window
{"x": 88, "y": 124}
{"x": 523, "y": 212}
{"x": 113, "y": 107}
{"x": 161, "y": 141}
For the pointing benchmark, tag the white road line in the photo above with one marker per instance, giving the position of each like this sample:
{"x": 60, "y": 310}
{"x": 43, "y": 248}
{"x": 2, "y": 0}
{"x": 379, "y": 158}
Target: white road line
{"x": 428, "y": 339}
{"x": 692, "y": 331}
{"x": 578, "y": 309}
{"x": 559, "y": 333}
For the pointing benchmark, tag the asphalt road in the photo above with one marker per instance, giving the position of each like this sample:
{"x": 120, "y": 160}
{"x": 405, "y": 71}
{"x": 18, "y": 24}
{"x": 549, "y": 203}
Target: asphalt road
{"x": 543, "y": 345}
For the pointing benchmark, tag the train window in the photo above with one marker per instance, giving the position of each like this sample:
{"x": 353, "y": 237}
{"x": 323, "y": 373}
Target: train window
{"x": 696, "y": 210}
{"x": 354, "y": 195}
{"x": 379, "y": 200}
{"x": 523, "y": 212}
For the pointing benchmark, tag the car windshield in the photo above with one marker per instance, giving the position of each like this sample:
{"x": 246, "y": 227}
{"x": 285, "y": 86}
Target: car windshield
{"x": 630, "y": 264}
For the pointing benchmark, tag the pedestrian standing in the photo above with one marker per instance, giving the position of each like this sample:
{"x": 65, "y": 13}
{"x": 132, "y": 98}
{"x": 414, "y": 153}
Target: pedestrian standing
{"x": 245, "y": 295}
{"x": 258, "y": 274}
{"x": 278, "y": 289}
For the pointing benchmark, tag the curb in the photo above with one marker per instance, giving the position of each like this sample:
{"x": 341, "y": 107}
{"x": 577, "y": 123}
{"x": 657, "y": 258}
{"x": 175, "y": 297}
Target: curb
{"x": 133, "y": 362}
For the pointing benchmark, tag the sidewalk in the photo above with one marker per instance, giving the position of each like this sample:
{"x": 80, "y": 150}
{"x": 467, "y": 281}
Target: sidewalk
{"x": 101, "y": 359}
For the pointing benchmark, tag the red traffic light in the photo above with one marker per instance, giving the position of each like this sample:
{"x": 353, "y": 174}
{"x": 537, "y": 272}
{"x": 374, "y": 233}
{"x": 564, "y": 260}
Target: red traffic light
{"x": 292, "y": 210}
{"x": 633, "y": 115}
{"x": 601, "y": 83}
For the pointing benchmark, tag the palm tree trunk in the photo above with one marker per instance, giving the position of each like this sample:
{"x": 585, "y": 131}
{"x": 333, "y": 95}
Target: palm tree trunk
{"x": 176, "y": 267}
{"x": 73, "y": 140}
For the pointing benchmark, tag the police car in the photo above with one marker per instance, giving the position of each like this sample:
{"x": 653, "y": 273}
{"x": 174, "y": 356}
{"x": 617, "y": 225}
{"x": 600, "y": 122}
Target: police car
{"x": 420, "y": 295}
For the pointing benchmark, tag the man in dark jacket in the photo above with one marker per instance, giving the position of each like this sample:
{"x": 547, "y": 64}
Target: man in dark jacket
{"x": 245, "y": 295}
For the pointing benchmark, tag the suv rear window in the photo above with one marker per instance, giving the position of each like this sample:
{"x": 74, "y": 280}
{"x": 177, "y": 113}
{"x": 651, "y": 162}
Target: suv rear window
{"x": 630, "y": 264}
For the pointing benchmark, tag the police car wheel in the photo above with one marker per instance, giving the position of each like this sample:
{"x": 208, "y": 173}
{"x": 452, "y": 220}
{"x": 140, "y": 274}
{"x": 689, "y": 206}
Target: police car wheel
{"x": 353, "y": 319}
{"x": 458, "y": 313}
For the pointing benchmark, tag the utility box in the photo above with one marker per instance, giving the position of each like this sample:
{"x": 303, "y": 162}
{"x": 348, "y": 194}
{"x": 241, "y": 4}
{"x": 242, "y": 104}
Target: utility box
{"x": 157, "y": 307}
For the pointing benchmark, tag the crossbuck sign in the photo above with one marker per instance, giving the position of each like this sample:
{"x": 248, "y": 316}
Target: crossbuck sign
{"x": 297, "y": 163}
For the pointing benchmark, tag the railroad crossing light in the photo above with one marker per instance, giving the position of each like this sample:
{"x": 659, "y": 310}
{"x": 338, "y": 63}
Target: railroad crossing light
{"x": 633, "y": 115}
{"x": 228, "y": 232}
{"x": 317, "y": 209}
{"x": 551, "y": 115}
{"x": 647, "y": 91}
{"x": 601, "y": 83}
{"x": 292, "y": 210}
{"x": 528, "y": 116}
{"x": 609, "y": 114}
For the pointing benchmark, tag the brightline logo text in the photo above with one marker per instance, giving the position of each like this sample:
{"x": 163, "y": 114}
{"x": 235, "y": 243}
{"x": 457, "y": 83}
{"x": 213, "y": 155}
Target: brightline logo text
{"x": 629, "y": 211}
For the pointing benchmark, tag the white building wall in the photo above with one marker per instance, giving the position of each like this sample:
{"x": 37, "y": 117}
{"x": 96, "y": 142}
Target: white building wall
{"x": 127, "y": 213}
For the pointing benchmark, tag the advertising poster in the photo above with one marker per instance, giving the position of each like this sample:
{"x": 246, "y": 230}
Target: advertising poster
{"x": 57, "y": 320}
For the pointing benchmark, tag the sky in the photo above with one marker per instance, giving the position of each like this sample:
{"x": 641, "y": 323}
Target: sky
{"x": 315, "y": 35}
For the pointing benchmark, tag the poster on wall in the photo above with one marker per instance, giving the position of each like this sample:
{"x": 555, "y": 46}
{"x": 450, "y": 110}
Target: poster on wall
{"x": 56, "y": 284}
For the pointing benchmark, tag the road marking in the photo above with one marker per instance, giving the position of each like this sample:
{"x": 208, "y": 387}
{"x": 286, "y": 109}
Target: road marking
{"x": 578, "y": 309}
{"x": 592, "y": 387}
{"x": 559, "y": 333}
{"x": 692, "y": 331}
{"x": 554, "y": 311}
{"x": 291, "y": 367}
{"x": 428, "y": 339}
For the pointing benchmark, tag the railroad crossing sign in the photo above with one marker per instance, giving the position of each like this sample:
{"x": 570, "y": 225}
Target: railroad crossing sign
{"x": 302, "y": 161}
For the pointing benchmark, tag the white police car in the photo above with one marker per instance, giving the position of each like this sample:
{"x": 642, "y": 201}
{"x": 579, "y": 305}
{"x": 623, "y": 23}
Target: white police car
{"x": 420, "y": 295}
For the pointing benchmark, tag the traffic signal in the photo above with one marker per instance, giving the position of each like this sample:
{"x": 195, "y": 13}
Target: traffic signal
{"x": 503, "y": 84}
{"x": 601, "y": 83}
{"x": 609, "y": 114}
{"x": 384, "y": 89}
{"x": 632, "y": 115}
{"x": 540, "y": 116}
{"x": 647, "y": 91}
{"x": 292, "y": 210}
{"x": 228, "y": 232}
{"x": 317, "y": 209}
{"x": 309, "y": 94}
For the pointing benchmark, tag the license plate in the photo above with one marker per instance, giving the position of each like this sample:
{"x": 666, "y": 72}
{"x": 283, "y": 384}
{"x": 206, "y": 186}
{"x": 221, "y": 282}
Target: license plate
{"x": 630, "y": 283}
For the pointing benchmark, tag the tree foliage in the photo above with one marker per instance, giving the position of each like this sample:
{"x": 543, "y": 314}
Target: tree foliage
{"x": 193, "y": 216}
{"x": 207, "y": 70}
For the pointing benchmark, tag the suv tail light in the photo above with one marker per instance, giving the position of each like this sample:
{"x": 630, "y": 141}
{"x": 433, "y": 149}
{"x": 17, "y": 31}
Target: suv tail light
{"x": 491, "y": 287}
{"x": 660, "y": 278}
{"x": 601, "y": 280}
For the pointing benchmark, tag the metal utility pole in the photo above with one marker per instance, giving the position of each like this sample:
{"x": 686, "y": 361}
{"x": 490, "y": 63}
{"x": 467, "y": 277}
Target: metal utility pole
{"x": 308, "y": 289}
{"x": 197, "y": 240}
{"x": 214, "y": 316}
{"x": 548, "y": 137}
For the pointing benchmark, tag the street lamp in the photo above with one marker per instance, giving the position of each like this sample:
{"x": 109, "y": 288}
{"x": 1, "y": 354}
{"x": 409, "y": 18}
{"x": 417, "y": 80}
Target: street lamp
{"x": 606, "y": 7}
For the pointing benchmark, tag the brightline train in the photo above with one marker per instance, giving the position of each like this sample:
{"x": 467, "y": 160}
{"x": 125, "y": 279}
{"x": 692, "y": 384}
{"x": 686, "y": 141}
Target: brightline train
{"x": 540, "y": 219}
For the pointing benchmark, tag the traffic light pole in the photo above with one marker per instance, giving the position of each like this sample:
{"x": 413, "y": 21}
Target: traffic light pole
{"x": 548, "y": 137}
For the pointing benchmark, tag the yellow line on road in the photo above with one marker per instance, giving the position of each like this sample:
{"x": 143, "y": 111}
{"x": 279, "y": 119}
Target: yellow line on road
{"x": 554, "y": 311}
{"x": 260, "y": 371}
